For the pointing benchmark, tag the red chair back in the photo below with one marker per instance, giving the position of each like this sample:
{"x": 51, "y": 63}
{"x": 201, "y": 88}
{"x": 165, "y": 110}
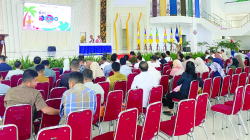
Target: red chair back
{"x": 205, "y": 75}
{"x": 105, "y": 87}
{"x": 2, "y": 108}
{"x": 216, "y": 87}
{"x": 246, "y": 69}
{"x": 234, "y": 83}
{"x": 4, "y": 74}
{"x": 136, "y": 71}
{"x": 176, "y": 78}
{"x": 45, "y": 87}
{"x": 43, "y": 94}
{"x": 100, "y": 79}
{"x": 19, "y": 82}
{"x": 206, "y": 60}
{"x": 242, "y": 79}
{"x": 238, "y": 70}
{"x": 209, "y": 69}
{"x": 111, "y": 73}
{"x": 184, "y": 122}
{"x": 151, "y": 125}
{"x": 6, "y": 82}
{"x": 165, "y": 69}
{"x": 199, "y": 74}
{"x": 62, "y": 132}
{"x": 14, "y": 79}
{"x": 201, "y": 108}
{"x": 238, "y": 98}
{"x": 225, "y": 85}
{"x": 55, "y": 69}
{"x": 57, "y": 92}
{"x": 130, "y": 80}
{"x": 21, "y": 116}
{"x": 193, "y": 91}
{"x": 81, "y": 128}
{"x": 170, "y": 63}
{"x": 126, "y": 125}
{"x": 207, "y": 86}
{"x": 212, "y": 75}
{"x": 51, "y": 120}
{"x": 96, "y": 116}
{"x": 245, "y": 62}
{"x": 8, "y": 132}
{"x": 121, "y": 85}
{"x": 227, "y": 62}
{"x": 246, "y": 104}
{"x": 67, "y": 71}
{"x": 230, "y": 72}
{"x": 51, "y": 81}
{"x": 57, "y": 74}
{"x": 57, "y": 82}
{"x": 135, "y": 99}
{"x": 158, "y": 68}
{"x": 60, "y": 77}
{"x": 164, "y": 83}
{"x": 155, "y": 95}
{"x": 113, "y": 105}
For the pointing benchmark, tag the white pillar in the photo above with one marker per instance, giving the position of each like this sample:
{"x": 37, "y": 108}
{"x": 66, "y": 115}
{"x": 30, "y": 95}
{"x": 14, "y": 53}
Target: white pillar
{"x": 193, "y": 37}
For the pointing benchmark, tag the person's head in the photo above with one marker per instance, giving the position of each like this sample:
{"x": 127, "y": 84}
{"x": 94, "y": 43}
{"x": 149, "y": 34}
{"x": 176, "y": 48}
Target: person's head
{"x": 211, "y": 52}
{"x": 123, "y": 61}
{"x": 91, "y": 36}
{"x": 132, "y": 53}
{"x": 29, "y": 78}
{"x": 74, "y": 65}
{"x": 153, "y": 59}
{"x": 45, "y": 63}
{"x": 139, "y": 58}
{"x": 75, "y": 78}
{"x": 157, "y": 57}
{"x": 37, "y": 60}
{"x": 180, "y": 56}
{"x": 2, "y": 59}
{"x": 203, "y": 58}
{"x": 40, "y": 69}
{"x": 115, "y": 67}
{"x": 163, "y": 55}
{"x": 104, "y": 59}
{"x": 104, "y": 55}
{"x": 240, "y": 51}
{"x": 206, "y": 53}
{"x": 98, "y": 37}
{"x": 126, "y": 57}
{"x": 234, "y": 62}
{"x": 190, "y": 69}
{"x": 18, "y": 65}
{"x": 222, "y": 51}
{"x": 87, "y": 75}
{"x": 81, "y": 61}
{"x": 81, "y": 56}
{"x": 188, "y": 57}
{"x": 167, "y": 53}
{"x": 113, "y": 58}
{"x": 210, "y": 59}
{"x": 143, "y": 66}
{"x": 139, "y": 54}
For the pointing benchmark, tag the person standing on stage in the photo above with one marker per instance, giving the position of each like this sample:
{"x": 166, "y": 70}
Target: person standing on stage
{"x": 91, "y": 40}
{"x": 98, "y": 40}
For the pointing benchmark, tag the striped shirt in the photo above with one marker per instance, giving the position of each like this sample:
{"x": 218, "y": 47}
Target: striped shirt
{"x": 77, "y": 98}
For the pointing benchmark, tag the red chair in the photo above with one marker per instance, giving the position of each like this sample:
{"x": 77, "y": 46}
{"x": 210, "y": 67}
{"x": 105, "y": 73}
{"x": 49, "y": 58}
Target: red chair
{"x": 158, "y": 68}
{"x": 170, "y": 63}
{"x": 206, "y": 60}
{"x": 165, "y": 69}
{"x": 212, "y": 74}
{"x": 45, "y": 87}
{"x": 199, "y": 74}
{"x": 2, "y": 108}
{"x": 67, "y": 71}
{"x": 130, "y": 80}
{"x": 164, "y": 83}
{"x": 62, "y": 132}
{"x": 242, "y": 79}
{"x": 19, "y": 82}
{"x": 96, "y": 117}
{"x": 227, "y": 62}
{"x": 100, "y": 79}
{"x": 55, "y": 69}
{"x": 234, "y": 84}
{"x": 111, "y": 73}
{"x": 81, "y": 128}
{"x": 246, "y": 69}
{"x": 57, "y": 74}
{"x": 121, "y": 85}
{"x": 51, "y": 81}
{"x": 126, "y": 127}
{"x": 105, "y": 87}
{"x": 21, "y": 116}
{"x": 8, "y": 132}
{"x": 207, "y": 86}
{"x": 14, "y": 79}
{"x": 60, "y": 77}
{"x": 176, "y": 78}
{"x": 215, "y": 89}
{"x": 230, "y": 72}
{"x": 238, "y": 70}
{"x": 229, "y": 111}
{"x": 57, "y": 83}
{"x": 209, "y": 69}
{"x": 57, "y": 92}
{"x": 136, "y": 71}
{"x": 151, "y": 125}
{"x": 51, "y": 120}
{"x": 6, "y": 82}
{"x": 205, "y": 75}
{"x": 245, "y": 62}
{"x": 155, "y": 94}
{"x": 43, "y": 94}
{"x": 225, "y": 87}
{"x": 135, "y": 99}
{"x": 184, "y": 122}
{"x": 4, "y": 74}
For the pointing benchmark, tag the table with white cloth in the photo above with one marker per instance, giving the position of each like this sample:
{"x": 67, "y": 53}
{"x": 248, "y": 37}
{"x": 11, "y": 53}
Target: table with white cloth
{"x": 95, "y": 48}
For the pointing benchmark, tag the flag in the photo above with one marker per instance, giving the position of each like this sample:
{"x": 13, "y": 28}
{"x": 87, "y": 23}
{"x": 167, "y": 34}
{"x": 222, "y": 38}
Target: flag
{"x": 171, "y": 37}
{"x": 138, "y": 37}
{"x": 180, "y": 35}
{"x": 165, "y": 36}
{"x": 145, "y": 36}
{"x": 150, "y": 37}
{"x": 177, "y": 35}
{"x": 157, "y": 37}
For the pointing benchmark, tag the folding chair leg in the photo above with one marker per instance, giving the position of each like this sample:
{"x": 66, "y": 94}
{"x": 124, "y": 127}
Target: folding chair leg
{"x": 109, "y": 125}
{"x": 239, "y": 120}
{"x": 218, "y": 99}
{"x": 233, "y": 127}
{"x": 203, "y": 126}
{"x": 192, "y": 135}
{"x": 156, "y": 137}
{"x": 209, "y": 103}
{"x": 93, "y": 127}
{"x": 213, "y": 122}
{"x": 100, "y": 128}
{"x": 247, "y": 115}
{"x": 243, "y": 124}
{"x": 222, "y": 121}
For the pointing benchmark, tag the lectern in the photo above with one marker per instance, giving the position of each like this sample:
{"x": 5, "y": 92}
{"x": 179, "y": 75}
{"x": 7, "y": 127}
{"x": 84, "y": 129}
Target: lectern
{"x": 2, "y": 43}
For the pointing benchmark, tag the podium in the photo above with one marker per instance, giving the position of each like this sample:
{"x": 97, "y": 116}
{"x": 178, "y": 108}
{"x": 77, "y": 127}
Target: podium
{"x": 2, "y": 43}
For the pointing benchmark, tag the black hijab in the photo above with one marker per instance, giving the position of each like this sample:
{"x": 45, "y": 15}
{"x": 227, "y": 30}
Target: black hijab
{"x": 235, "y": 62}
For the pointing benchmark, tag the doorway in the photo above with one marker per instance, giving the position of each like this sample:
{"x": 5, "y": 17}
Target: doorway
{"x": 124, "y": 39}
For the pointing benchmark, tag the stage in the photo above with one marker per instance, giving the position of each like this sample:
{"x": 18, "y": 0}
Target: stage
{"x": 95, "y": 48}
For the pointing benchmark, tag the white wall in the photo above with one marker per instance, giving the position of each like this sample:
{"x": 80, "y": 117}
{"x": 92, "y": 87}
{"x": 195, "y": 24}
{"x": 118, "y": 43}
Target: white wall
{"x": 1, "y": 18}
{"x": 237, "y": 7}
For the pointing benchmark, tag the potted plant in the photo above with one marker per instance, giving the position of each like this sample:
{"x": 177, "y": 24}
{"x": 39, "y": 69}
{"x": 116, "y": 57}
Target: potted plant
{"x": 201, "y": 44}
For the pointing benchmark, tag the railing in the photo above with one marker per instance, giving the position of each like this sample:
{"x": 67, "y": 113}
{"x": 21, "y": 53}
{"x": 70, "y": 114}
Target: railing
{"x": 235, "y": 24}
{"x": 211, "y": 19}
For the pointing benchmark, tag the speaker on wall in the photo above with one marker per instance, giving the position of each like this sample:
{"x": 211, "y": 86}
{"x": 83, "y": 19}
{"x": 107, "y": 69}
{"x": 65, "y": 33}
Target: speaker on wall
{"x": 186, "y": 49}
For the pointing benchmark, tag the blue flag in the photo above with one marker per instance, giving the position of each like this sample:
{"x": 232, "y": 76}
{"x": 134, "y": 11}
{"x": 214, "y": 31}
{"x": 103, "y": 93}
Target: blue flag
{"x": 177, "y": 35}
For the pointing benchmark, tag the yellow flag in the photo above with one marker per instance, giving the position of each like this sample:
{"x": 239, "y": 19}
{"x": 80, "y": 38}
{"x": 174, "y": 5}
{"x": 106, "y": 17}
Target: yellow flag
{"x": 138, "y": 37}
{"x": 165, "y": 37}
{"x": 157, "y": 36}
{"x": 145, "y": 37}
{"x": 180, "y": 35}
{"x": 150, "y": 37}
{"x": 171, "y": 37}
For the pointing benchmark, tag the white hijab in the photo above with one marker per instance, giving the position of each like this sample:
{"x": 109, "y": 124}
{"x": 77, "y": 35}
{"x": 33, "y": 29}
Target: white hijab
{"x": 66, "y": 65}
{"x": 155, "y": 73}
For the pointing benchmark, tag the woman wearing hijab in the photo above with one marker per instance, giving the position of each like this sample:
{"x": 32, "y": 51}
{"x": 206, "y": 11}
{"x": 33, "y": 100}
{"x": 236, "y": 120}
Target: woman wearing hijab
{"x": 217, "y": 55}
{"x": 217, "y": 69}
{"x": 94, "y": 66}
{"x": 241, "y": 63}
{"x": 188, "y": 58}
{"x": 219, "y": 61}
{"x": 65, "y": 66}
{"x": 177, "y": 68}
{"x": 232, "y": 53}
{"x": 233, "y": 64}
{"x": 155, "y": 73}
{"x": 201, "y": 66}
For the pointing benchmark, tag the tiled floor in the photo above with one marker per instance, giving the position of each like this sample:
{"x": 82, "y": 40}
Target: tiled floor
{"x": 226, "y": 134}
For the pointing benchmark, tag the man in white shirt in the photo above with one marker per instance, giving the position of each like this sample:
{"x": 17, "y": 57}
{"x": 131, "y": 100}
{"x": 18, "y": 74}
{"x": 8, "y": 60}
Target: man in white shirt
{"x": 144, "y": 80}
{"x": 87, "y": 82}
{"x": 104, "y": 63}
{"x": 3, "y": 88}
{"x": 207, "y": 54}
{"x": 212, "y": 53}
{"x": 153, "y": 62}
{"x": 126, "y": 70}
{"x": 139, "y": 59}
{"x": 18, "y": 70}
{"x": 91, "y": 40}
{"x": 168, "y": 58}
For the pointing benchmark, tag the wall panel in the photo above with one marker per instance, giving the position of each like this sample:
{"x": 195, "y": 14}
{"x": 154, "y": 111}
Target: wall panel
{"x": 31, "y": 39}
{"x": 42, "y": 40}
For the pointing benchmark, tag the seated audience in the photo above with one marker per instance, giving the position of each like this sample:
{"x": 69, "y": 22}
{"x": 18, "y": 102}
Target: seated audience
{"x": 37, "y": 61}
{"x": 153, "y": 62}
{"x": 218, "y": 55}
{"x": 144, "y": 81}
{"x": 188, "y": 58}
{"x": 81, "y": 63}
{"x": 139, "y": 54}
{"x": 212, "y": 53}
{"x": 4, "y": 66}
{"x": 207, "y": 54}
{"x": 40, "y": 69}
{"x": 177, "y": 68}
{"x": 210, "y": 61}
{"x": 201, "y": 66}
{"x": 18, "y": 70}
{"x": 163, "y": 60}
{"x": 233, "y": 64}
{"x": 27, "y": 94}
{"x": 223, "y": 54}
{"x": 180, "y": 56}
{"x": 168, "y": 58}
{"x": 65, "y": 78}
{"x": 48, "y": 72}
{"x": 203, "y": 59}
{"x": 116, "y": 77}
{"x": 87, "y": 82}
{"x": 77, "y": 97}
{"x": 65, "y": 66}
{"x": 133, "y": 59}
{"x": 126, "y": 70}
{"x": 116, "y": 58}
{"x": 126, "y": 57}
{"x": 108, "y": 68}
{"x": 217, "y": 67}
{"x": 241, "y": 55}
{"x": 155, "y": 73}
{"x": 104, "y": 62}
{"x": 185, "y": 80}
{"x": 241, "y": 62}
{"x": 94, "y": 66}
{"x": 3, "y": 88}
{"x": 157, "y": 58}
{"x": 139, "y": 59}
